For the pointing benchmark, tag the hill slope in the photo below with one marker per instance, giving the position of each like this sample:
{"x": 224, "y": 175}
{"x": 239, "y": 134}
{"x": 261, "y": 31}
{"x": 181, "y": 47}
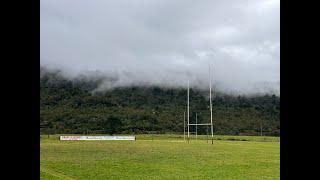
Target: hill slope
{"x": 69, "y": 106}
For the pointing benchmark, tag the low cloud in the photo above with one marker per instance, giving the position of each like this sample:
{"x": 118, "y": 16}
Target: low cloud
{"x": 163, "y": 42}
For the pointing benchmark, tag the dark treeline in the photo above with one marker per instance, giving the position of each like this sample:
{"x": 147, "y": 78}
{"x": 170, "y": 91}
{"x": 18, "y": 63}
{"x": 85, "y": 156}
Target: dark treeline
{"x": 69, "y": 106}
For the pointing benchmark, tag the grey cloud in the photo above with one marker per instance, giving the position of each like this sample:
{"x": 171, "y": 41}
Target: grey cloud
{"x": 165, "y": 42}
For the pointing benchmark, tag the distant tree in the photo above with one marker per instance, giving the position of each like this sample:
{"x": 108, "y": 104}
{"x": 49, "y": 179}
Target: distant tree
{"x": 112, "y": 125}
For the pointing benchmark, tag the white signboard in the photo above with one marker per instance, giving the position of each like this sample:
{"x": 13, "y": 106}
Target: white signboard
{"x": 129, "y": 138}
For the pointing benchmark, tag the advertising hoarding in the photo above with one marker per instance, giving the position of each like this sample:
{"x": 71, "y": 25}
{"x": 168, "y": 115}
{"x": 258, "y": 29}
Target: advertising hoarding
{"x": 66, "y": 138}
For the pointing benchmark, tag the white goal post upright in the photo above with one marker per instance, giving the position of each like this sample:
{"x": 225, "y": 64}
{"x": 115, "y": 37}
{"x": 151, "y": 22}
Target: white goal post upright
{"x": 211, "y": 107}
{"x": 196, "y": 126}
{"x": 188, "y": 113}
{"x": 184, "y": 125}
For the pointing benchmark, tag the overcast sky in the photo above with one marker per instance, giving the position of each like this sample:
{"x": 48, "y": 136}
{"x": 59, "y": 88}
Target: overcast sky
{"x": 166, "y": 42}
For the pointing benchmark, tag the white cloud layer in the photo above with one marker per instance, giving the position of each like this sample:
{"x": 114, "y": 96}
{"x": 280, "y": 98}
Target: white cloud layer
{"x": 166, "y": 42}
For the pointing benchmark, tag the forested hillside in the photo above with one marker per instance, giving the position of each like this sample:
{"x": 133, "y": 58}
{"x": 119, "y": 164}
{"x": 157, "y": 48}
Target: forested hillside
{"x": 69, "y": 106}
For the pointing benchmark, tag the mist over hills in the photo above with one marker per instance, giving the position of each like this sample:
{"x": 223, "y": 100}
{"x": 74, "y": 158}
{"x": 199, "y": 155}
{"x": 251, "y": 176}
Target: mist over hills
{"x": 105, "y": 81}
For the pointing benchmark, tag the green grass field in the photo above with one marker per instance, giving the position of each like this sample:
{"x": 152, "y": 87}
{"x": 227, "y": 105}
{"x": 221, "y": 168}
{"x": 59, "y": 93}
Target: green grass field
{"x": 162, "y": 157}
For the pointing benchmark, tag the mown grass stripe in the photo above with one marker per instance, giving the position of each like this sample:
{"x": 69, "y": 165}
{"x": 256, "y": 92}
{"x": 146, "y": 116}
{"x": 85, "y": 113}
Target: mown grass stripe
{"x": 55, "y": 173}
